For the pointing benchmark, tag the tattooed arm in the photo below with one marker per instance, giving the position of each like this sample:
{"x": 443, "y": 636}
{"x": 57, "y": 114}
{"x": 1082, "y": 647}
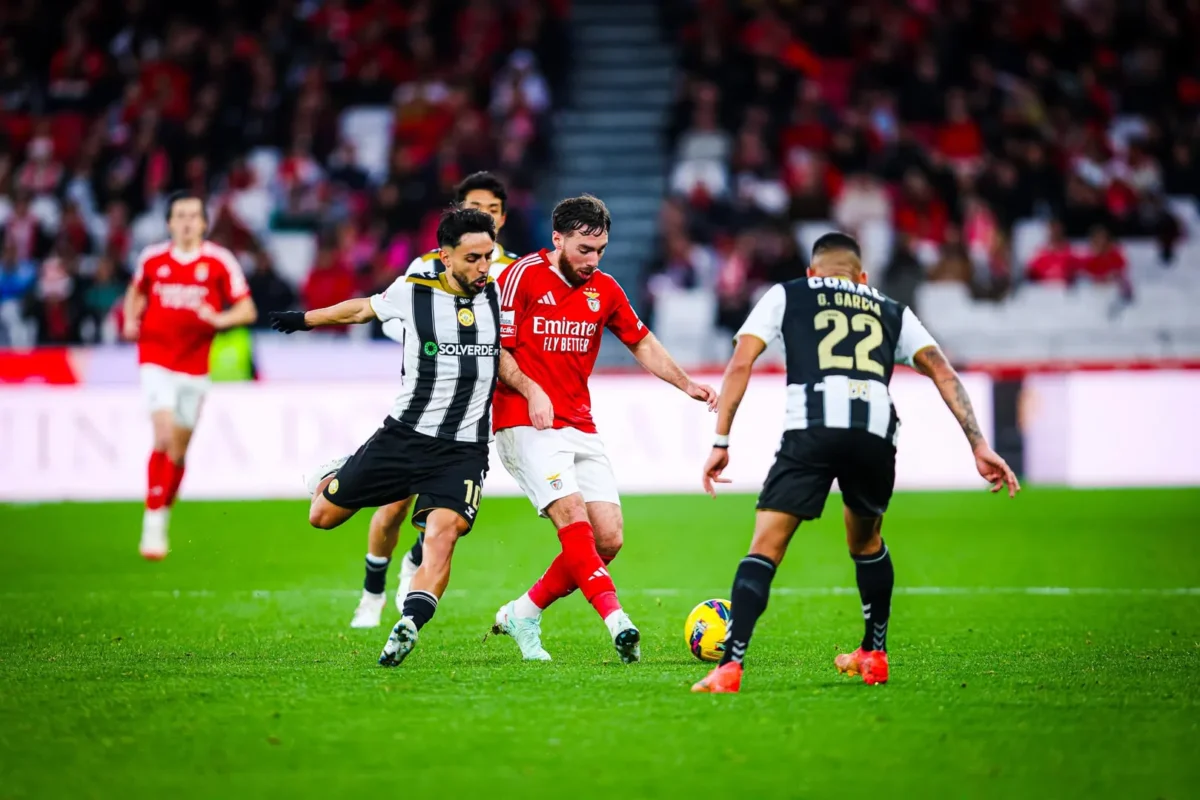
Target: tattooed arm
{"x": 930, "y": 361}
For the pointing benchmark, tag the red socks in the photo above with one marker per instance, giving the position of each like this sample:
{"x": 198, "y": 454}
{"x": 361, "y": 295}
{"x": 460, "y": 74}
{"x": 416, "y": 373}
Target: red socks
{"x": 557, "y": 583}
{"x": 585, "y": 568}
{"x": 163, "y": 477}
{"x": 175, "y": 477}
{"x": 156, "y": 480}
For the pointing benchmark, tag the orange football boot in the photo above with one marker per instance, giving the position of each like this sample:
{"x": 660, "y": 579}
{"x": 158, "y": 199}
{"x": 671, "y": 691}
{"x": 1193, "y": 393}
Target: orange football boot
{"x": 871, "y": 664}
{"x": 725, "y": 679}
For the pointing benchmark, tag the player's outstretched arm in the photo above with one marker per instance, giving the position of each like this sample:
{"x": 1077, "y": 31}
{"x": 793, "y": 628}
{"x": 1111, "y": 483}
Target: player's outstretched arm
{"x": 241, "y": 313}
{"x": 651, "y": 354}
{"x": 932, "y": 362}
{"x": 348, "y": 312}
{"x": 733, "y": 389}
{"x": 541, "y": 410}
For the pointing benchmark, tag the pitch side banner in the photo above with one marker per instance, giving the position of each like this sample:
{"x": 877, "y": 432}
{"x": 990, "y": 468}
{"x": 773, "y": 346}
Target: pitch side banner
{"x": 255, "y": 440}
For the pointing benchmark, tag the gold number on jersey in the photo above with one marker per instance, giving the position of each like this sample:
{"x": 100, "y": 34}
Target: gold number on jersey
{"x": 825, "y": 357}
{"x": 474, "y": 493}
{"x": 861, "y": 323}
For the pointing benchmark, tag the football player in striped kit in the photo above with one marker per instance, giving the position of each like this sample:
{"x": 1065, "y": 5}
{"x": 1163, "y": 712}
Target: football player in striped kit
{"x": 487, "y": 193}
{"x": 842, "y": 339}
{"x": 434, "y": 443}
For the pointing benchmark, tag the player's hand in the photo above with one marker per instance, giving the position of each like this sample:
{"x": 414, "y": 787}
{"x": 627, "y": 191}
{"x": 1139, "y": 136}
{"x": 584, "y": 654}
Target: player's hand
{"x": 718, "y": 460}
{"x": 704, "y": 392}
{"x": 132, "y": 329}
{"x": 288, "y": 321}
{"x": 210, "y": 315}
{"x": 995, "y": 470}
{"x": 541, "y": 410}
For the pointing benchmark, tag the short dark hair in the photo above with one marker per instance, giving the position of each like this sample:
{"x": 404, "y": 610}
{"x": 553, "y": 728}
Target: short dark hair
{"x": 175, "y": 197}
{"x": 482, "y": 181}
{"x": 585, "y": 214}
{"x": 458, "y": 222}
{"x": 836, "y": 242}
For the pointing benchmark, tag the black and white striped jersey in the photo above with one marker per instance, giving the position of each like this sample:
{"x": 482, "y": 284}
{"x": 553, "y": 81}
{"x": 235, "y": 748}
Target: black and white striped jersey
{"x": 451, "y": 356}
{"x": 841, "y": 341}
{"x": 430, "y": 263}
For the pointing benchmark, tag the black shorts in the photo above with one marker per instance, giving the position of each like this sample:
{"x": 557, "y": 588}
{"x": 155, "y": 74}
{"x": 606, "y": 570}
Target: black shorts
{"x": 809, "y": 460}
{"x": 397, "y": 462}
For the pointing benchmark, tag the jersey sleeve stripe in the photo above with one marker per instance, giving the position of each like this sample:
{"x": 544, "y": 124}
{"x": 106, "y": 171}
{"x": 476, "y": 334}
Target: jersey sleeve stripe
{"x": 518, "y": 270}
{"x": 238, "y": 288}
{"x": 148, "y": 252}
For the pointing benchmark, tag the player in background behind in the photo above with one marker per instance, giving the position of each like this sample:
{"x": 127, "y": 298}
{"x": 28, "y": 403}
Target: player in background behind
{"x": 841, "y": 340}
{"x": 183, "y": 292}
{"x": 554, "y": 308}
{"x": 485, "y": 192}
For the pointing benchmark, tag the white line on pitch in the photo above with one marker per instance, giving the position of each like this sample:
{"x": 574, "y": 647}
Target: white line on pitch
{"x": 784, "y": 591}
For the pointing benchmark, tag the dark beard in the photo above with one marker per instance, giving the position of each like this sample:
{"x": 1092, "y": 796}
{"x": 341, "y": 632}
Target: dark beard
{"x": 573, "y": 277}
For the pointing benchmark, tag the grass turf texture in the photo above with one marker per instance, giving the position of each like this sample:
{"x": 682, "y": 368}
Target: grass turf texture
{"x": 229, "y": 669}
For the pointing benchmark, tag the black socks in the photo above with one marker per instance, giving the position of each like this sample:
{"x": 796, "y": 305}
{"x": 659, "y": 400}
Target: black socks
{"x": 751, "y": 588}
{"x": 875, "y": 581}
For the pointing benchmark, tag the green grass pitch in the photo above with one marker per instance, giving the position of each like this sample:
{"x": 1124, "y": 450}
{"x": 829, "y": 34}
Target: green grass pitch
{"x": 1042, "y": 647}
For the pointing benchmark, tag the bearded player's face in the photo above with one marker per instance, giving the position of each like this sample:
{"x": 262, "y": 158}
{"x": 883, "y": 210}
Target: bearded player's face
{"x": 579, "y": 255}
{"x": 469, "y": 261}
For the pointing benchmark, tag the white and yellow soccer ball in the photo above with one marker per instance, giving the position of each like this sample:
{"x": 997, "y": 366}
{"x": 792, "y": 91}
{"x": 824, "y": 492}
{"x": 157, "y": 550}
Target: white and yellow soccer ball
{"x": 706, "y": 629}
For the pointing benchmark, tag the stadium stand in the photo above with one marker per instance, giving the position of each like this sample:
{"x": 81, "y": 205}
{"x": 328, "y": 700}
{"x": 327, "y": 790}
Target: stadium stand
{"x": 1025, "y": 173}
{"x": 324, "y": 134}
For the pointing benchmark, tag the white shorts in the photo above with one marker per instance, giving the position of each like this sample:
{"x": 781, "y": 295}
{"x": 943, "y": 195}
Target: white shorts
{"x": 555, "y": 463}
{"x": 179, "y": 392}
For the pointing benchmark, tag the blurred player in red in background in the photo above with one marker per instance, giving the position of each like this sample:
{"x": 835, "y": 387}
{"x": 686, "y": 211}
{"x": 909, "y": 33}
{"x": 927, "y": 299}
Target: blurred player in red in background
{"x": 554, "y": 308}
{"x": 183, "y": 292}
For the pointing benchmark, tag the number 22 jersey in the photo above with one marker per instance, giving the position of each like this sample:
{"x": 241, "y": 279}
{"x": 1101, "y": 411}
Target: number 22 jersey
{"x": 841, "y": 341}
{"x": 554, "y": 330}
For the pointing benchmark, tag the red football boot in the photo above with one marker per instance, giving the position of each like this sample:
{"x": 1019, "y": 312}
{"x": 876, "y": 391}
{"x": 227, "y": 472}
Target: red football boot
{"x": 871, "y": 664}
{"x": 725, "y": 679}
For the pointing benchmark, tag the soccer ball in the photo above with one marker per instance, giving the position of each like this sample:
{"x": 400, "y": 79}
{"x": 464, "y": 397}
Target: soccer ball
{"x": 706, "y": 628}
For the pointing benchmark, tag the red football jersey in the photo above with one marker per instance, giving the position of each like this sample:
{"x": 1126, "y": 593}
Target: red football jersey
{"x": 553, "y": 330}
{"x": 176, "y": 286}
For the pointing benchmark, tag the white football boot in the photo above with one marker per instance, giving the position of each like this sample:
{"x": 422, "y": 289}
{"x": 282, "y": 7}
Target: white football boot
{"x": 626, "y": 637}
{"x": 154, "y": 534}
{"x": 369, "y": 611}
{"x": 399, "y": 644}
{"x": 527, "y": 631}
{"x": 407, "y": 571}
{"x": 313, "y": 479}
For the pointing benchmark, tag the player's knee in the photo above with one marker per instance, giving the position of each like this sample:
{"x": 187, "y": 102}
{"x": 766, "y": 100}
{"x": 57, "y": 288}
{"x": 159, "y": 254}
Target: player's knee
{"x": 323, "y": 516}
{"x": 609, "y": 541}
{"x": 567, "y": 511}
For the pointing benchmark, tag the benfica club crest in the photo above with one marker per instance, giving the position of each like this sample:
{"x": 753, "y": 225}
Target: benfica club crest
{"x": 593, "y": 300}
{"x": 202, "y": 272}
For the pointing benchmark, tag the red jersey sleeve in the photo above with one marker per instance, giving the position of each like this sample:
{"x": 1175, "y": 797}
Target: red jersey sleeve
{"x": 233, "y": 286}
{"x": 140, "y": 279}
{"x": 512, "y": 302}
{"x": 623, "y": 320}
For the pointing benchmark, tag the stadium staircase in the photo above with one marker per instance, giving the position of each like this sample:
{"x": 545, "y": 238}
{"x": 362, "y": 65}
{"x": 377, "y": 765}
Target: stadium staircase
{"x": 608, "y": 140}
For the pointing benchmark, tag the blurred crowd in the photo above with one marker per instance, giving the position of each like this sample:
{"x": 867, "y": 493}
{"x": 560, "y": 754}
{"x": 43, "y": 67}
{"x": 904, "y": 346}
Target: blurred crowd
{"x": 108, "y": 105}
{"x": 945, "y": 123}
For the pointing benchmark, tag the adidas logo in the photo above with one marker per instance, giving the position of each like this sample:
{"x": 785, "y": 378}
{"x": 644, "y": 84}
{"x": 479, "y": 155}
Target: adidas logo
{"x": 600, "y": 573}
{"x": 547, "y": 299}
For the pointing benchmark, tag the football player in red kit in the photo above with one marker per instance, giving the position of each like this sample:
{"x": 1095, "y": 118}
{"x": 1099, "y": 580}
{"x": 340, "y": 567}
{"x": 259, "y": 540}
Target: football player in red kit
{"x": 554, "y": 308}
{"x": 183, "y": 292}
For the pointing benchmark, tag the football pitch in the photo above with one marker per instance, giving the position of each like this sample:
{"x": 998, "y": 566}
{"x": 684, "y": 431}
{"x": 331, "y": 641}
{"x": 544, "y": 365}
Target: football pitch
{"x": 1042, "y": 647}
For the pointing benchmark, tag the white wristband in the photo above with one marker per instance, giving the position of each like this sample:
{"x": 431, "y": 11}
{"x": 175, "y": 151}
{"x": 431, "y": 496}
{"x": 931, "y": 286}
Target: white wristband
{"x": 721, "y": 441}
